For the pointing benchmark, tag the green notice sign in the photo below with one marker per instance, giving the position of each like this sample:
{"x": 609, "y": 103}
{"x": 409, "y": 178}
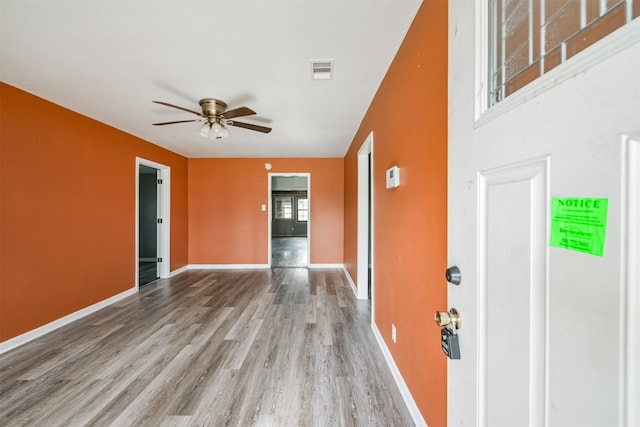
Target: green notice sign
{"x": 579, "y": 224}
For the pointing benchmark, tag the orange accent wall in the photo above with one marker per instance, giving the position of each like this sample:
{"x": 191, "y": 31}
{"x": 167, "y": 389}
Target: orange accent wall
{"x": 67, "y": 213}
{"x": 227, "y": 225}
{"x": 408, "y": 117}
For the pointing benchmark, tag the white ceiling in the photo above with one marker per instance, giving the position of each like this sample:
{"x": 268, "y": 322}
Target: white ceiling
{"x": 108, "y": 59}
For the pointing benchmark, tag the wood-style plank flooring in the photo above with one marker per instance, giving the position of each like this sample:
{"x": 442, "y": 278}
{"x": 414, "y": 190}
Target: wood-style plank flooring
{"x": 280, "y": 347}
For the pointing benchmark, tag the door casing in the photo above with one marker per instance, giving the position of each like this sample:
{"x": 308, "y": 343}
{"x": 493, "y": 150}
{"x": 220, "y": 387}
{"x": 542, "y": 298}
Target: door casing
{"x": 164, "y": 211}
{"x": 270, "y": 210}
{"x": 365, "y": 203}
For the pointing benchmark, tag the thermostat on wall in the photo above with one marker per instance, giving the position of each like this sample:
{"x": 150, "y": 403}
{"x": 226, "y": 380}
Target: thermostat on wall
{"x": 393, "y": 177}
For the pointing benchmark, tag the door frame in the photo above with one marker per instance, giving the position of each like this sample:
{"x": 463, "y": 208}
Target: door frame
{"x": 164, "y": 212}
{"x": 270, "y": 210}
{"x": 630, "y": 296}
{"x": 365, "y": 203}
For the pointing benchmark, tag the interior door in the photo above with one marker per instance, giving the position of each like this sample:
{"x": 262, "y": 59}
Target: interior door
{"x": 546, "y": 331}
{"x": 148, "y": 226}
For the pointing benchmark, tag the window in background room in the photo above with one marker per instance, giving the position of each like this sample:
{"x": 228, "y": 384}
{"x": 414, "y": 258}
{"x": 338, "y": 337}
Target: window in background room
{"x": 303, "y": 210}
{"x": 283, "y": 207}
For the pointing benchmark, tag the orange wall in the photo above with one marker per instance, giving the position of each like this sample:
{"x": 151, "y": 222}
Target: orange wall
{"x": 67, "y": 217}
{"x": 227, "y": 225}
{"x": 408, "y": 117}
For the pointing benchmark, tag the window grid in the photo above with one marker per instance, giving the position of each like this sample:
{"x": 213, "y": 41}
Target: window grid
{"x": 523, "y": 48}
{"x": 303, "y": 210}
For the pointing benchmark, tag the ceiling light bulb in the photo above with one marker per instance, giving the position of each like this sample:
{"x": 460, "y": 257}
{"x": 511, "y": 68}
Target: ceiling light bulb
{"x": 204, "y": 130}
{"x": 224, "y": 132}
{"x": 216, "y": 128}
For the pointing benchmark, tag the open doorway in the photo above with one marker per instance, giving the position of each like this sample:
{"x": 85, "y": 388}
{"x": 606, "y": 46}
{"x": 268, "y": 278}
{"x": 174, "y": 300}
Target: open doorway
{"x": 148, "y": 178}
{"x": 289, "y": 220}
{"x": 365, "y": 266}
{"x": 152, "y": 221}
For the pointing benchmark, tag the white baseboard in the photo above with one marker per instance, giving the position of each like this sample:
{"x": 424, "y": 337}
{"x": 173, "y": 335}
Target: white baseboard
{"x": 354, "y": 288}
{"x": 227, "y": 266}
{"x": 417, "y": 417}
{"x": 326, "y": 266}
{"x": 253, "y": 267}
{"x": 248, "y": 267}
{"x": 49, "y": 327}
{"x": 179, "y": 270}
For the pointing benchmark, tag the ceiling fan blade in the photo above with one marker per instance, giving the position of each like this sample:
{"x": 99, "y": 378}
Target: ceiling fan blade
{"x": 238, "y": 112}
{"x": 250, "y": 126}
{"x": 177, "y": 121}
{"x": 179, "y": 108}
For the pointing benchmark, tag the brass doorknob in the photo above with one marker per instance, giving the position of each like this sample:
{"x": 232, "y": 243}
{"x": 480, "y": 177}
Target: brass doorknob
{"x": 443, "y": 318}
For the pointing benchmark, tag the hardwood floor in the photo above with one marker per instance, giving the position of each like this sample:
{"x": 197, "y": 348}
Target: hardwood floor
{"x": 281, "y": 347}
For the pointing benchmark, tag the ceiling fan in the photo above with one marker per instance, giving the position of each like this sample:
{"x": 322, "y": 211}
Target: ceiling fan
{"x": 215, "y": 117}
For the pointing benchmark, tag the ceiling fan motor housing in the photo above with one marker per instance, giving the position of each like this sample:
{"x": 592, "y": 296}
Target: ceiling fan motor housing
{"x": 212, "y": 107}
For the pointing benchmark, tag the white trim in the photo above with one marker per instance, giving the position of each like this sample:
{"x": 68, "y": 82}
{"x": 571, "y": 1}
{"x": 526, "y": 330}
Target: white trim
{"x": 63, "y": 321}
{"x": 164, "y": 211}
{"x": 482, "y": 59}
{"x": 629, "y": 374}
{"x": 395, "y": 372}
{"x": 227, "y": 266}
{"x": 615, "y": 42}
{"x": 269, "y": 208}
{"x": 326, "y": 266}
{"x": 354, "y": 288}
{"x": 365, "y": 203}
{"x": 179, "y": 270}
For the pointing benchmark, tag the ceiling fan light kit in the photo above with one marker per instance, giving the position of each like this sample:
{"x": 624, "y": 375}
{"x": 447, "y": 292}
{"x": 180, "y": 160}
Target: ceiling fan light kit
{"x": 214, "y": 131}
{"x": 215, "y": 118}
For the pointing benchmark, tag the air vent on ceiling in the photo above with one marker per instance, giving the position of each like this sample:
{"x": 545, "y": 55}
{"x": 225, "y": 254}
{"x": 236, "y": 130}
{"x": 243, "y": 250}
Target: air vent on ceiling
{"x": 322, "y": 69}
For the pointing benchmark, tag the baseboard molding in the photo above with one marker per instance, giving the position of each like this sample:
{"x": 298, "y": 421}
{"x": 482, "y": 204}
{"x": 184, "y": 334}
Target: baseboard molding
{"x": 404, "y": 390}
{"x": 63, "y": 321}
{"x": 326, "y": 266}
{"x": 250, "y": 267}
{"x": 228, "y": 266}
{"x": 354, "y": 288}
{"x": 179, "y": 270}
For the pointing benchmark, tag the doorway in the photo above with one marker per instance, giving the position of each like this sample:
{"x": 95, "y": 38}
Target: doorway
{"x": 289, "y": 220}
{"x": 152, "y": 221}
{"x": 148, "y": 178}
{"x": 365, "y": 275}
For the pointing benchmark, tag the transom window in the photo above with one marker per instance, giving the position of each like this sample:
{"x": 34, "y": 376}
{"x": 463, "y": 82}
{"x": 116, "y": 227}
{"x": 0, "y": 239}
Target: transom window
{"x": 528, "y": 38}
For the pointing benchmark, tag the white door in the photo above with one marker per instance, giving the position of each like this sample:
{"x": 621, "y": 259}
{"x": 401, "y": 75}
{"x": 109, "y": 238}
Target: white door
{"x": 549, "y": 335}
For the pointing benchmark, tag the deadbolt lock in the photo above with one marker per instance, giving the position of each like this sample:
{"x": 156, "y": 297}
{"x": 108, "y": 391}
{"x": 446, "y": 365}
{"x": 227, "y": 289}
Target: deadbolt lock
{"x": 453, "y": 275}
{"x": 444, "y": 318}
